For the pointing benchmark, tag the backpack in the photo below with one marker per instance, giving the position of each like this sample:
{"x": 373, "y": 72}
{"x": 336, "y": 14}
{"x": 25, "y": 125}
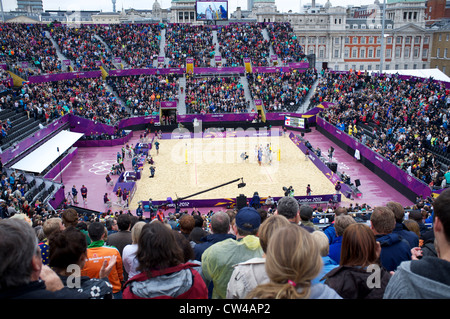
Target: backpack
{"x": 198, "y": 289}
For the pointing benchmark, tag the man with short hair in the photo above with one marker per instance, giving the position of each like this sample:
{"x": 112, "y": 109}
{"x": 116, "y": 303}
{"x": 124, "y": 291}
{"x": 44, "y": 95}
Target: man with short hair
{"x": 220, "y": 226}
{"x": 97, "y": 253}
{"x": 288, "y": 207}
{"x": 122, "y": 237}
{"x": 400, "y": 227}
{"x": 394, "y": 249}
{"x": 22, "y": 274}
{"x": 218, "y": 259}
{"x": 428, "y": 277}
{"x": 306, "y": 214}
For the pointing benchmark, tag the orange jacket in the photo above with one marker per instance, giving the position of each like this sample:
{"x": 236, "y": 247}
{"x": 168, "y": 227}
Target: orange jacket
{"x": 97, "y": 252}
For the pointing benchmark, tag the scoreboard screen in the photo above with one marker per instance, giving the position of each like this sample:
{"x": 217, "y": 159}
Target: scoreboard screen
{"x": 297, "y": 122}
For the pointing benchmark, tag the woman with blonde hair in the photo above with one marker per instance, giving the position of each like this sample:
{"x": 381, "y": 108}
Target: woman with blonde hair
{"x": 249, "y": 274}
{"x": 130, "y": 262}
{"x": 292, "y": 261}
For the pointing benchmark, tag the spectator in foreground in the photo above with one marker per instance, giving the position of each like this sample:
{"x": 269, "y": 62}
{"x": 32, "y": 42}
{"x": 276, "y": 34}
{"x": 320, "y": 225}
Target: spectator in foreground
{"x": 427, "y": 278}
{"x": 394, "y": 249}
{"x": 354, "y": 278}
{"x": 68, "y": 249}
{"x": 163, "y": 272}
{"x": 220, "y": 226}
{"x": 400, "y": 227}
{"x": 292, "y": 262}
{"x": 97, "y": 253}
{"x": 249, "y": 274}
{"x": 22, "y": 274}
{"x": 218, "y": 259}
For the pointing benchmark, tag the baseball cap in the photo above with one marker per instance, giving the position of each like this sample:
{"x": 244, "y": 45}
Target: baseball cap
{"x": 248, "y": 219}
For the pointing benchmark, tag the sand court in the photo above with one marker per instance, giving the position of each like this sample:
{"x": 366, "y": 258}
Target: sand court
{"x": 190, "y": 165}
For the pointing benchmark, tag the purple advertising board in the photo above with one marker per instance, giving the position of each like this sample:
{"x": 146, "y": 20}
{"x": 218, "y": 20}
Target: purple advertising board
{"x": 217, "y": 117}
{"x": 231, "y": 202}
{"x": 63, "y": 76}
{"x": 416, "y": 186}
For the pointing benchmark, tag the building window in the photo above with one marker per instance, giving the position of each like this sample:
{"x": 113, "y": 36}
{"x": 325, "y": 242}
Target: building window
{"x": 336, "y": 53}
{"x": 424, "y": 53}
{"x": 354, "y": 53}
{"x": 387, "y": 66}
{"x": 408, "y": 40}
{"x": 388, "y": 53}
{"x": 363, "y": 40}
{"x": 416, "y": 52}
{"x": 440, "y": 37}
{"x": 438, "y": 52}
{"x": 378, "y": 53}
{"x": 369, "y": 67}
{"x": 370, "y": 53}
{"x": 346, "y": 52}
{"x": 361, "y": 67}
{"x": 417, "y": 40}
{"x": 397, "y": 52}
{"x": 406, "y": 67}
{"x": 426, "y": 40}
{"x": 362, "y": 53}
{"x": 371, "y": 40}
{"x": 444, "y": 69}
{"x": 389, "y": 40}
{"x": 407, "y": 50}
{"x": 336, "y": 40}
{"x": 347, "y": 40}
{"x": 445, "y": 53}
{"x": 355, "y": 40}
{"x": 398, "y": 40}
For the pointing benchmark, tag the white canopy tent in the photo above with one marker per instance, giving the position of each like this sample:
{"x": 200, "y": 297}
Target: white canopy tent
{"x": 437, "y": 74}
{"x": 41, "y": 158}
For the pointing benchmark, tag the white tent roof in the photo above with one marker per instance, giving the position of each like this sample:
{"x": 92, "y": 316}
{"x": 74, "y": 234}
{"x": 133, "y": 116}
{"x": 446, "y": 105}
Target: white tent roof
{"x": 422, "y": 73}
{"x": 41, "y": 158}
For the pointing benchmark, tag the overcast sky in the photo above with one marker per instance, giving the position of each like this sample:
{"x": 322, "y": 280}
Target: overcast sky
{"x": 106, "y": 5}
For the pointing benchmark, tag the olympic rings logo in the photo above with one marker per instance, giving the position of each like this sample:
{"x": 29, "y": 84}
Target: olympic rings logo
{"x": 102, "y": 168}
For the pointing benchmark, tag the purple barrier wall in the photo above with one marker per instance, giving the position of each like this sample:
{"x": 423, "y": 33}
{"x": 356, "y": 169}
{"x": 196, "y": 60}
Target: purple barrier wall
{"x": 333, "y": 177}
{"x": 88, "y": 127}
{"x": 220, "y": 70}
{"x": 64, "y": 76}
{"x": 61, "y": 165}
{"x": 138, "y": 121}
{"x": 102, "y": 143}
{"x": 412, "y": 183}
{"x": 217, "y": 117}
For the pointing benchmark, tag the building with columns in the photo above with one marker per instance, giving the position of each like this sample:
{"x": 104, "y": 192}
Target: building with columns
{"x": 344, "y": 38}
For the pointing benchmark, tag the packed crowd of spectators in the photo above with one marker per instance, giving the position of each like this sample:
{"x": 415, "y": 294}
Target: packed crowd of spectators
{"x": 406, "y": 118}
{"x": 27, "y": 43}
{"x": 285, "y": 43}
{"x": 240, "y": 41}
{"x": 87, "y": 98}
{"x": 189, "y": 41}
{"x": 137, "y": 45}
{"x": 278, "y": 91}
{"x": 143, "y": 94}
{"x": 215, "y": 95}
{"x": 82, "y": 47}
{"x": 262, "y": 250}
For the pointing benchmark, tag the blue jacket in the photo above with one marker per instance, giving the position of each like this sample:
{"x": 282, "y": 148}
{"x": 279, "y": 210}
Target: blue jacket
{"x": 208, "y": 241}
{"x": 410, "y": 236}
{"x": 335, "y": 249}
{"x": 394, "y": 250}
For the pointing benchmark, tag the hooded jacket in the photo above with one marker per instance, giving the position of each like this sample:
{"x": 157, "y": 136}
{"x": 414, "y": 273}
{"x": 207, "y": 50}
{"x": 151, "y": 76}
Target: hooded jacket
{"x": 181, "y": 281}
{"x": 208, "y": 241}
{"x": 428, "y": 278}
{"x": 394, "y": 250}
{"x": 219, "y": 259}
{"x": 355, "y": 282}
{"x": 246, "y": 276}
